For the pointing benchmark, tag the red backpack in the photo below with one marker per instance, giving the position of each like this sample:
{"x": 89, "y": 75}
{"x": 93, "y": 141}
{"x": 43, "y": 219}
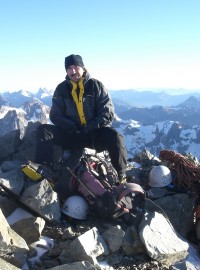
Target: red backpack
{"x": 95, "y": 180}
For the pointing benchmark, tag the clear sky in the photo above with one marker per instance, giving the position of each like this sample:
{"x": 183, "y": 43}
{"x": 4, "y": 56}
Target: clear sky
{"x": 130, "y": 44}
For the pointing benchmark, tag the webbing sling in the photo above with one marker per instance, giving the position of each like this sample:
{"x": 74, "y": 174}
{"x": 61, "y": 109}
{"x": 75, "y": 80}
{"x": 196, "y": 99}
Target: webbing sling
{"x": 78, "y": 99}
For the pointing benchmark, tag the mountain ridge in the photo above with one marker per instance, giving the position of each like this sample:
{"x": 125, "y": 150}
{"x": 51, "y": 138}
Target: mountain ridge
{"x": 155, "y": 128}
{"x": 127, "y": 98}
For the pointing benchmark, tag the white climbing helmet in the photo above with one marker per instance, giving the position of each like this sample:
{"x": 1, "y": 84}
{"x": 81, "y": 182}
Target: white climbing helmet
{"x": 76, "y": 207}
{"x": 160, "y": 176}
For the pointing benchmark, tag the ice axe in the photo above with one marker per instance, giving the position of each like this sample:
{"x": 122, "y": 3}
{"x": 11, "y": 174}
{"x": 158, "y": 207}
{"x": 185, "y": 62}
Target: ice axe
{"x": 79, "y": 180}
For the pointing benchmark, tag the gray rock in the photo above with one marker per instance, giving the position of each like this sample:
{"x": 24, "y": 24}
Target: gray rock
{"x": 13, "y": 181}
{"x": 11, "y": 165}
{"x": 17, "y": 215}
{"x": 7, "y": 205}
{"x": 43, "y": 200}
{"x": 9, "y": 144}
{"x": 13, "y": 120}
{"x": 179, "y": 209}
{"x": 132, "y": 244}
{"x": 29, "y": 229}
{"x": 161, "y": 240}
{"x": 4, "y": 265}
{"x": 26, "y": 149}
{"x": 86, "y": 247}
{"x": 12, "y": 246}
{"x": 115, "y": 258}
{"x": 114, "y": 238}
{"x": 190, "y": 263}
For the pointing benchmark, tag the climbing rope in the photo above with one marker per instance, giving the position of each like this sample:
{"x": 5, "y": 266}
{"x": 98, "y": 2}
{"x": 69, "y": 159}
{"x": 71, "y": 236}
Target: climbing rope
{"x": 187, "y": 174}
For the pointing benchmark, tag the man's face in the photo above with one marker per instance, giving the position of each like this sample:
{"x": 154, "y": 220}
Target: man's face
{"x": 75, "y": 73}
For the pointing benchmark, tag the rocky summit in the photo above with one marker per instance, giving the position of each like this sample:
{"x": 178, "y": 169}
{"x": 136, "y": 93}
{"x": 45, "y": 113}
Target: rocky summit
{"x": 35, "y": 234}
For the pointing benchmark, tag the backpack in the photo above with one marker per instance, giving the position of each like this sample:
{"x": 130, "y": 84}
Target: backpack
{"x": 96, "y": 180}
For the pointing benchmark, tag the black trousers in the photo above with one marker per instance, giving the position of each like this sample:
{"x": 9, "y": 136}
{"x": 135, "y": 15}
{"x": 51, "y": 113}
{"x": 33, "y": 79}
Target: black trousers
{"x": 101, "y": 139}
{"x": 106, "y": 138}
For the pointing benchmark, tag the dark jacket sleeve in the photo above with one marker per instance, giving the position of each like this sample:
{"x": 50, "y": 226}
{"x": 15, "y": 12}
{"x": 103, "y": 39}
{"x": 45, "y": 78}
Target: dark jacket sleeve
{"x": 57, "y": 114}
{"x": 104, "y": 108}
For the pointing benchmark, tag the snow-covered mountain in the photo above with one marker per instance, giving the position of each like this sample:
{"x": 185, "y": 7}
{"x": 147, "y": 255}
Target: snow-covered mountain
{"x": 18, "y": 98}
{"x": 17, "y": 118}
{"x": 123, "y": 99}
{"x": 155, "y": 128}
{"x": 187, "y": 113}
{"x": 161, "y": 135}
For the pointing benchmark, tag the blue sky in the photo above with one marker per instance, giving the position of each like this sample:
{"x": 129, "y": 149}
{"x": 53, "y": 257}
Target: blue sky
{"x": 132, "y": 44}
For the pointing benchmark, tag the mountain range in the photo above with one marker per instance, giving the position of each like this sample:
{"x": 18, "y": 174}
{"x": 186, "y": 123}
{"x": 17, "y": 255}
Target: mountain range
{"x": 141, "y": 99}
{"x": 154, "y": 121}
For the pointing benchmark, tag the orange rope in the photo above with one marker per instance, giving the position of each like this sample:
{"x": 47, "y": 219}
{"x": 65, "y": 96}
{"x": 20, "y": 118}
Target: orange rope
{"x": 187, "y": 174}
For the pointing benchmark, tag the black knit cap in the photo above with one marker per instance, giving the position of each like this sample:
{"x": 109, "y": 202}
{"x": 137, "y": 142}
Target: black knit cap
{"x": 73, "y": 60}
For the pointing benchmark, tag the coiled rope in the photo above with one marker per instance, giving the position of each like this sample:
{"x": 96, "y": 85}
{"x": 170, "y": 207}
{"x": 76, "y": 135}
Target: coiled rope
{"x": 187, "y": 174}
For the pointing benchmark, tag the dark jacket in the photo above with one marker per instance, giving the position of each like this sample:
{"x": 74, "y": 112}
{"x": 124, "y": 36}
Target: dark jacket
{"x": 97, "y": 105}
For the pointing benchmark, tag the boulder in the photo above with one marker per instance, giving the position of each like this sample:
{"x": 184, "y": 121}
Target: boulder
{"x": 29, "y": 228}
{"x": 132, "y": 245}
{"x": 43, "y": 200}
{"x": 7, "y": 205}
{"x": 12, "y": 181}
{"x": 13, "y": 247}
{"x": 180, "y": 211}
{"x": 161, "y": 240}
{"x": 9, "y": 144}
{"x": 86, "y": 247}
{"x": 114, "y": 238}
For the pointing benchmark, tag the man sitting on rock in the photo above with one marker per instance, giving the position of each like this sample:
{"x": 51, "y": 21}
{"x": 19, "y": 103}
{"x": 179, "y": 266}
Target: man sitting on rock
{"x": 82, "y": 112}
